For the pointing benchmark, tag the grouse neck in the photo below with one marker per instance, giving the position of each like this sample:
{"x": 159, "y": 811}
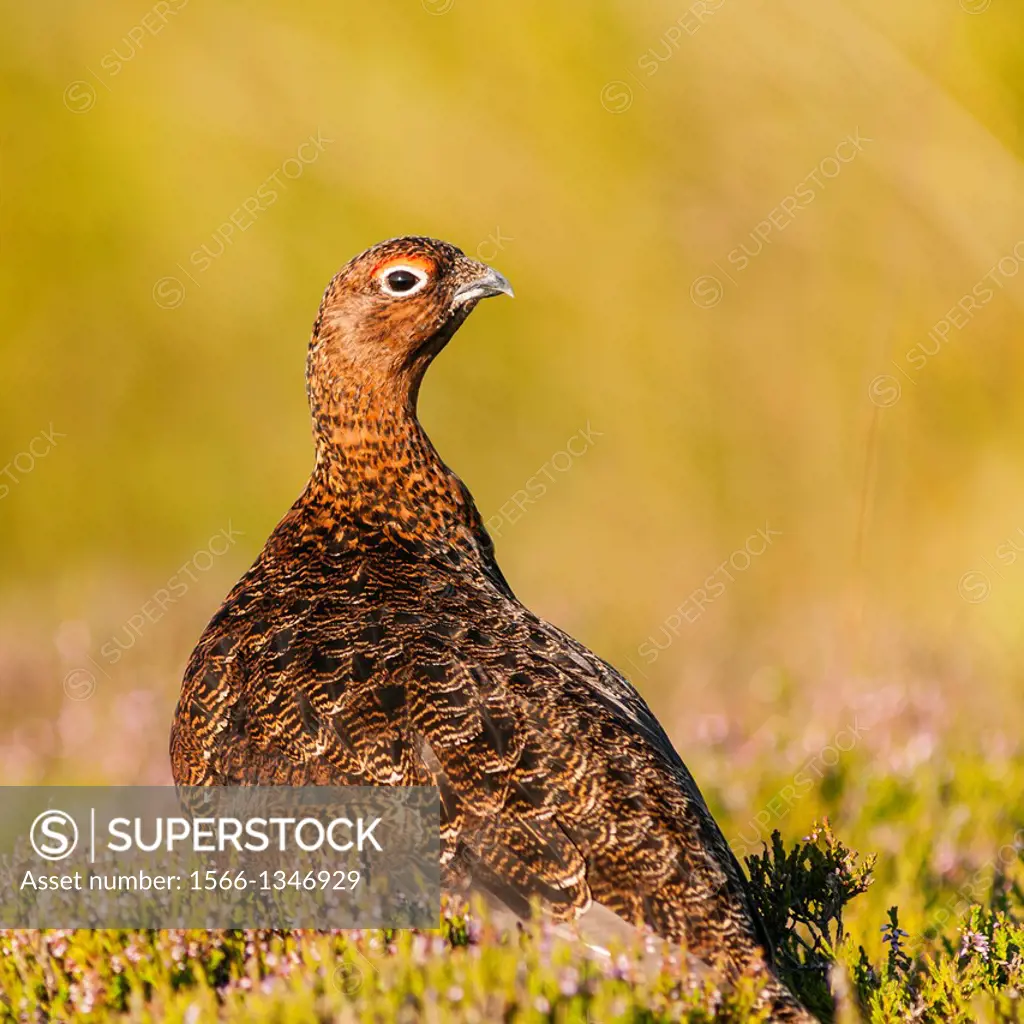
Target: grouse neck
{"x": 378, "y": 469}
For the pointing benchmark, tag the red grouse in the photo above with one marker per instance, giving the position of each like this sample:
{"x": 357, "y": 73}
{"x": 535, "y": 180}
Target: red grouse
{"x": 375, "y": 641}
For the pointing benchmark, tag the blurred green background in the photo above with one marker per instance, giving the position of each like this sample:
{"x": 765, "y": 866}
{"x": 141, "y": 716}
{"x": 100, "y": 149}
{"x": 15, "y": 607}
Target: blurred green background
{"x": 614, "y": 160}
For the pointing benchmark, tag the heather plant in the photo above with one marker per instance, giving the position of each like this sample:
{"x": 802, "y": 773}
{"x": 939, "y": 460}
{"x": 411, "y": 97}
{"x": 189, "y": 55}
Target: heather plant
{"x": 468, "y": 970}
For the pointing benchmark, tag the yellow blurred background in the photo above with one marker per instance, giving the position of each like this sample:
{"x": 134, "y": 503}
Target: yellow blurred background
{"x": 767, "y": 259}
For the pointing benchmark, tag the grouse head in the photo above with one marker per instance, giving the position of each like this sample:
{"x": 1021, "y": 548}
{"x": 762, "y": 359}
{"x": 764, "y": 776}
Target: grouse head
{"x": 391, "y": 309}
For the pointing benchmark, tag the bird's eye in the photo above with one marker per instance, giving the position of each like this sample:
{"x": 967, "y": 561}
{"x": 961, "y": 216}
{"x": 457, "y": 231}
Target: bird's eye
{"x": 403, "y": 280}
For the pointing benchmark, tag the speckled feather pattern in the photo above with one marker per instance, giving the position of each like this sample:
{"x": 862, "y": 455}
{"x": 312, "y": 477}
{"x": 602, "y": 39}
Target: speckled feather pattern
{"x": 375, "y": 641}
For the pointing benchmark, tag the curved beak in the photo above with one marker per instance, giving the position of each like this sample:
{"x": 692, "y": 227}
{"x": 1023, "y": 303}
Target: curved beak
{"x": 481, "y": 282}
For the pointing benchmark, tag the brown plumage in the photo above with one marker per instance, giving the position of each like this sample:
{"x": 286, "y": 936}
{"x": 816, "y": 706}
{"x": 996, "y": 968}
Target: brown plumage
{"x": 376, "y": 641}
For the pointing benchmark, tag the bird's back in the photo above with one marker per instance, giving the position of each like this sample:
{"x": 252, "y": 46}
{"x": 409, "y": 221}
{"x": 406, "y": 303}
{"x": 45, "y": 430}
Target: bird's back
{"x": 366, "y": 664}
